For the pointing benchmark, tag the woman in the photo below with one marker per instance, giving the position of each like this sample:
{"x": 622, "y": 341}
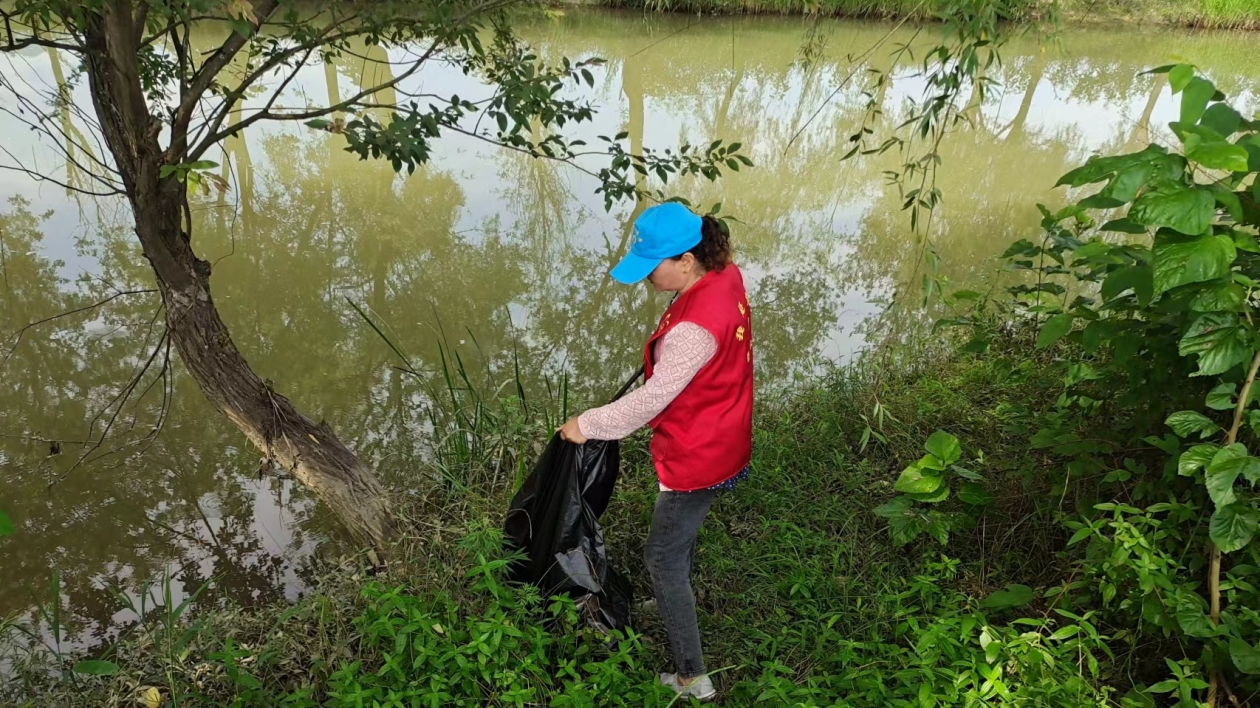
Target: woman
{"x": 697, "y": 397}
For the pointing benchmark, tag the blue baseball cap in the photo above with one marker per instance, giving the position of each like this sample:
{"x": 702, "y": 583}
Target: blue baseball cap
{"x": 663, "y": 231}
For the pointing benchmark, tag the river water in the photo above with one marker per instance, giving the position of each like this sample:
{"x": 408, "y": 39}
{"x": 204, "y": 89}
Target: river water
{"x": 490, "y": 256}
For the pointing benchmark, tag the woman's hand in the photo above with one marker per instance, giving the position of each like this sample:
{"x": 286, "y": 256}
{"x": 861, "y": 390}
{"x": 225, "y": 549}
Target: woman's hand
{"x": 571, "y": 431}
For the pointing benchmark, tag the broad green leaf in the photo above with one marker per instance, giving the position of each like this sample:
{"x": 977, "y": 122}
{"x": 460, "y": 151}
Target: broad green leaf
{"x": 932, "y": 463}
{"x": 96, "y": 667}
{"x": 1241, "y": 465}
{"x": 1230, "y": 203}
{"x": 203, "y": 165}
{"x": 1245, "y": 656}
{"x": 1100, "y": 168}
{"x": 944, "y": 446}
{"x": 1220, "y": 339}
{"x": 1124, "y": 226}
{"x": 1193, "y": 621}
{"x": 1194, "y": 99}
{"x": 1179, "y": 76}
{"x": 940, "y": 495}
{"x": 1123, "y": 188}
{"x": 1245, "y": 242}
{"x": 896, "y": 507}
{"x": 1217, "y": 155}
{"x": 914, "y": 480}
{"x": 1221, "y": 473}
{"x": 1188, "y": 211}
{"x": 1221, "y": 397}
{"x": 1138, "y": 278}
{"x": 1054, "y": 329}
{"x": 1186, "y": 423}
{"x": 1222, "y": 118}
{"x": 1196, "y": 458}
{"x": 972, "y": 493}
{"x": 6, "y": 525}
{"x": 1226, "y": 296}
{"x": 1232, "y": 527}
{"x": 1012, "y": 596}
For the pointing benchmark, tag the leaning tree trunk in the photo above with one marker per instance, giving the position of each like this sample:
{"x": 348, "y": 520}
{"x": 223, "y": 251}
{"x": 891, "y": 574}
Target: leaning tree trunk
{"x": 309, "y": 450}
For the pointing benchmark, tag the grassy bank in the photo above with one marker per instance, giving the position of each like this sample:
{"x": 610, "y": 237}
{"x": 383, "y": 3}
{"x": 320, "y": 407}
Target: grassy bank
{"x": 804, "y": 599}
{"x": 1222, "y": 14}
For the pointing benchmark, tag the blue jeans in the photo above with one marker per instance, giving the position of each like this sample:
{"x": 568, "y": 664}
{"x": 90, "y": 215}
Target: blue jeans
{"x": 671, "y": 544}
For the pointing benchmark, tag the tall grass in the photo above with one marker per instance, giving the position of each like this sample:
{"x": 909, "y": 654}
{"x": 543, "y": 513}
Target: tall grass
{"x": 801, "y": 593}
{"x": 1238, "y": 14}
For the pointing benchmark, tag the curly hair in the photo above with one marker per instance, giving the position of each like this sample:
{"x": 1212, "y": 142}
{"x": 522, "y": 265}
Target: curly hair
{"x": 714, "y": 250}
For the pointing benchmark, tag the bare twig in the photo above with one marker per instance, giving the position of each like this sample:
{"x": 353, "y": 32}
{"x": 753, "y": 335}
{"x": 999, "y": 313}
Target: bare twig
{"x": 17, "y": 336}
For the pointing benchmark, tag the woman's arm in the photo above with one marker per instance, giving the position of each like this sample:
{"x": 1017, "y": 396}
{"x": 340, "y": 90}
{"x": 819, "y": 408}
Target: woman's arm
{"x": 683, "y": 351}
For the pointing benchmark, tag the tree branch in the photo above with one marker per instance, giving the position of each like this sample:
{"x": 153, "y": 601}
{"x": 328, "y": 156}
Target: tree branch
{"x": 14, "y": 45}
{"x": 205, "y": 76}
{"x": 236, "y": 94}
{"x": 17, "y": 336}
{"x": 266, "y": 114}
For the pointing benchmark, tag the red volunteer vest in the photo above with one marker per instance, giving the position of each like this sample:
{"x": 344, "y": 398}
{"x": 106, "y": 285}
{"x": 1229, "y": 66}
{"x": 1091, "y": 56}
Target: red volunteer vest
{"x": 704, "y": 436}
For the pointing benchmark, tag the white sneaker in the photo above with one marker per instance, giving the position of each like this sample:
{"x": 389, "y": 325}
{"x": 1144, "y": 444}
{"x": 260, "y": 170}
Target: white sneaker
{"x": 701, "y": 689}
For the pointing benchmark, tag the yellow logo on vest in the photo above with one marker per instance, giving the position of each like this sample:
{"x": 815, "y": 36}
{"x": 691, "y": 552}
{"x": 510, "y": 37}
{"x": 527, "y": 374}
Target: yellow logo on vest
{"x": 739, "y": 333}
{"x": 742, "y": 309}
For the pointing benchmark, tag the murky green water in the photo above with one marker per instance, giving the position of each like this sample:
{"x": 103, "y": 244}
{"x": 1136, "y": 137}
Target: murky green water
{"x": 494, "y": 254}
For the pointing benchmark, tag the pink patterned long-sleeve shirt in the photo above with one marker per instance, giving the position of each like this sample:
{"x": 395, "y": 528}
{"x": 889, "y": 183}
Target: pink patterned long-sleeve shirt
{"x": 680, "y": 354}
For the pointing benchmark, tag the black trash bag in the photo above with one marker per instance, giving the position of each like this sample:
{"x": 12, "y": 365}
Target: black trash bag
{"x": 554, "y": 519}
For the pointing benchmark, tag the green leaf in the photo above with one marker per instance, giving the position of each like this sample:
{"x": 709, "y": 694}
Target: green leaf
{"x": 1225, "y": 296}
{"x": 1124, "y": 226}
{"x": 1012, "y": 596}
{"x": 96, "y": 667}
{"x": 1193, "y": 621}
{"x": 202, "y": 165}
{"x": 1220, "y": 339}
{"x": 1189, "y": 211}
{"x": 1138, "y": 278}
{"x": 1232, "y": 527}
{"x": 1179, "y": 76}
{"x": 1054, "y": 329}
{"x": 1221, "y": 397}
{"x": 1239, "y": 464}
{"x": 1222, "y": 118}
{"x": 1217, "y": 155}
{"x": 913, "y": 480}
{"x": 972, "y": 493}
{"x": 1194, "y": 99}
{"x": 1181, "y": 259}
{"x": 896, "y": 507}
{"x": 1186, "y": 423}
{"x": 1245, "y": 656}
{"x": 1123, "y": 188}
{"x": 1221, "y": 473}
{"x": 6, "y": 525}
{"x": 940, "y": 495}
{"x": 1100, "y": 168}
{"x": 1246, "y": 242}
{"x": 932, "y": 463}
{"x": 944, "y": 446}
{"x": 1230, "y": 203}
{"x": 166, "y": 171}
{"x": 1196, "y": 458}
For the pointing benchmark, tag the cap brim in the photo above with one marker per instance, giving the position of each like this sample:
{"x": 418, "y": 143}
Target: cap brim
{"x": 634, "y": 268}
